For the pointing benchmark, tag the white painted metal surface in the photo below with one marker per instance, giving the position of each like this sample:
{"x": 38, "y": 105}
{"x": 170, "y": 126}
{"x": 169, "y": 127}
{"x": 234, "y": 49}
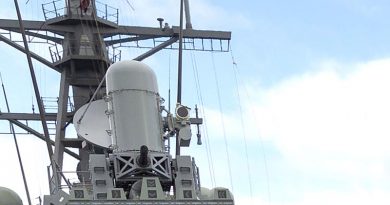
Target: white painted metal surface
{"x": 134, "y": 106}
{"x": 94, "y": 125}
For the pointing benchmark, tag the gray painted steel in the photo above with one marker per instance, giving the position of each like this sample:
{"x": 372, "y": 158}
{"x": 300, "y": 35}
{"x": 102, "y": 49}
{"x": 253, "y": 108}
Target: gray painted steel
{"x": 152, "y": 202}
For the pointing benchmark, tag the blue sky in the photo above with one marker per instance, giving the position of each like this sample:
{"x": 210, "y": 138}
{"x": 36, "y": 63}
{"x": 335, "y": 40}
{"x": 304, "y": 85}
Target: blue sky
{"x": 312, "y": 80}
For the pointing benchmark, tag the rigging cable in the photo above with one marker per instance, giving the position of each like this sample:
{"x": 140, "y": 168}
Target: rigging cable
{"x": 235, "y": 70}
{"x": 222, "y": 121}
{"x": 36, "y": 91}
{"x": 131, "y": 6}
{"x": 94, "y": 66}
{"x": 205, "y": 131}
{"x": 169, "y": 82}
{"x": 179, "y": 70}
{"x": 38, "y": 47}
{"x": 169, "y": 98}
{"x": 260, "y": 138}
{"x": 16, "y": 144}
{"x": 35, "y": 84}
{"x": 104, "y": 76}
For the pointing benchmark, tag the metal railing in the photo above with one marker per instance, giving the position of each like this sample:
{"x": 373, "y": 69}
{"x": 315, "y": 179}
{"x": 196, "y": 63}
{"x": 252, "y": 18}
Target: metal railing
{"x": 195, "y": 44}
{"x": 57, "y": 8}
{"x": 53, "y": 9}
{"x": 88, "y": 48}
{"x": 69, "y": 179}
{"x": 106, "y": 12}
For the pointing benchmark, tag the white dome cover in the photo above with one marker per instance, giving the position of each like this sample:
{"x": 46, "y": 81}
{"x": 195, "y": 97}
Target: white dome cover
{"x": 131, "y": 75}
{"x": 9, "y": 197}
{"x": 133, "y": 107}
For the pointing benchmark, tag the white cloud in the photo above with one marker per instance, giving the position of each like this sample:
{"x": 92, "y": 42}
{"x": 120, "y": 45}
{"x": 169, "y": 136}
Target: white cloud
{"x": 250, "y": 201}
{"x": 329, "y": 113}
{"x": 329, "y": 125}
{"x": 359, "y": 197}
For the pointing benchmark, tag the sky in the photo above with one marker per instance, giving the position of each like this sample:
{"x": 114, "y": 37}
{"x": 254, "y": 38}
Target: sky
{"x": 300, "y": 117}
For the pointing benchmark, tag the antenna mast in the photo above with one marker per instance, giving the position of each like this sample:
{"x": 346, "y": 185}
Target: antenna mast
{"x": 179, "y": 72}
{"x": 180, "y": 64}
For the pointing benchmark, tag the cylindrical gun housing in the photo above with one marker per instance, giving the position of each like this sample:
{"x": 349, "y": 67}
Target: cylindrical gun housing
{"x": 133, "y": 106}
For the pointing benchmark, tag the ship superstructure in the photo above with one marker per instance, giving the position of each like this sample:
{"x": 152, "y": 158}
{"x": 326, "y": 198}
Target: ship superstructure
{"x": 122, "y": 125}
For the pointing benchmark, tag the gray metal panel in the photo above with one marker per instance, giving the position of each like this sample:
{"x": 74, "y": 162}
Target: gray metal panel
{"x": 125, "y": 166}
{"x": 151, "y": 189}
{"x": 100, "y": 174}
{"x": 155, "y": 202}
{"x": 184, "y": 181}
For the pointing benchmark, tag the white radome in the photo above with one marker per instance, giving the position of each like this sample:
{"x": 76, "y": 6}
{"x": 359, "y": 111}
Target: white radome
{"x": 134, "y": 106}
{"x": 9, "y": 197}
{"x": 92, "y": 125}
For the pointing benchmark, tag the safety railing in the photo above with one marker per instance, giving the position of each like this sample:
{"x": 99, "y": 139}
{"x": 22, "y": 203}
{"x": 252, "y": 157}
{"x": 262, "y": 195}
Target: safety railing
{"x": 57, "y": 8}
{"x": 107, "y": 12}
{"x": 65, "y": 180}
{"x": 84, "y": 48}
